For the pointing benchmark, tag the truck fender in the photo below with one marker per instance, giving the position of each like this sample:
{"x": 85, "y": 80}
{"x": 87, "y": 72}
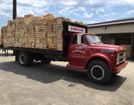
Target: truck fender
{"x": 99, "y": 56}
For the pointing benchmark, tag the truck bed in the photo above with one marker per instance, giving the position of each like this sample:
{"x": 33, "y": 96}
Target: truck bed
{"x": 51, "y": 54}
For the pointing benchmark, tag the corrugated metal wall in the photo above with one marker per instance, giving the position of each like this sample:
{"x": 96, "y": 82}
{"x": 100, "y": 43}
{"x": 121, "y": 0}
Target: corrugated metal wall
{"x": 124, "y": 28}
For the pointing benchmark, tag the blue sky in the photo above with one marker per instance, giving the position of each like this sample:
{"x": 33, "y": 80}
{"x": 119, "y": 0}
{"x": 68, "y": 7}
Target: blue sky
{"x": 87, "y": 11}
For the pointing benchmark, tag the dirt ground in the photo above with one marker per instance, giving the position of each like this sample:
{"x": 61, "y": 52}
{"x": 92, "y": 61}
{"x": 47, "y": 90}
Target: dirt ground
{"x": 53, "y": 84}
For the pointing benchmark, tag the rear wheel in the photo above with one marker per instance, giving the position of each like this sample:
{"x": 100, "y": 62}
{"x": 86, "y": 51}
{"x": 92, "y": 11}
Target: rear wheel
{"x": 24, "y": 59}
{"x": 98, "y": 71}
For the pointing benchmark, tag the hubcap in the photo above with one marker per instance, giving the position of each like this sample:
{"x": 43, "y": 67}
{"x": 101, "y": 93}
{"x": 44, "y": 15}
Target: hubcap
{"x": 97, "y": 72}
{"x": 22, "y": 59}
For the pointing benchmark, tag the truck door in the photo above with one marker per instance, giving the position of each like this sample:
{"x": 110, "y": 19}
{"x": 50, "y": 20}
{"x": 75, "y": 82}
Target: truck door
{"x": 77, "y": 54}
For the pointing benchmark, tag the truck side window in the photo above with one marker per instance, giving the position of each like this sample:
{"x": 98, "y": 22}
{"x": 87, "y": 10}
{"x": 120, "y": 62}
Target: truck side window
{"x": 83, "y": 40}
{"x": 75, "y": 40}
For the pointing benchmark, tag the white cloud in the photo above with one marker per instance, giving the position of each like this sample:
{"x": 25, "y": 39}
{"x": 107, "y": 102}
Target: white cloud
{"x": 66, "y": 10}
{"x": 126, "y": 2}
{"x": 105, "y": 15}
{"x": 92, "y": 21}
{"x": 89, "y": 3}
{"x": 5, "y": 10}
{"x": 110, "y": 14}
{"x": 66, "y": 2}
{"x": 23, "y": 11}
{"x": 96, "y": 3}
{"x": 33, "y": 3}
{"x": 88, "y": 15}
{"x": 38, "y": 6}
{"x": 81, "y": 9}
{"x": 109, "y": 19}
{"x": 113, "y": 13}
{"x": 130, "y": 12}
{"x": 76, "y": 14}
{"x": 80, "y": 3}
{"x": 100, "y": 10}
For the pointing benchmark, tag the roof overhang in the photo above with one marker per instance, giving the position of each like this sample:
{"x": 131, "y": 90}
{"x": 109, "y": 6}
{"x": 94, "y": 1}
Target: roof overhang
{"x": 115, "y": 22}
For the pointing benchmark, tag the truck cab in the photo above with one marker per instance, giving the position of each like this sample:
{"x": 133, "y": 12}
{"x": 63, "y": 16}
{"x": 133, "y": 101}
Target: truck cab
{"x": 87, "y": 52}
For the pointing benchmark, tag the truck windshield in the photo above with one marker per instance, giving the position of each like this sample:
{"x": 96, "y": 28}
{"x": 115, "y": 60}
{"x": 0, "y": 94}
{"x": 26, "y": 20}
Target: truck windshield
{"x": 93, "y": 39}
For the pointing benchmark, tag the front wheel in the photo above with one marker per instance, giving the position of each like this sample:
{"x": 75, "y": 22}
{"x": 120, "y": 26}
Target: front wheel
{"x": 98, "y": 71}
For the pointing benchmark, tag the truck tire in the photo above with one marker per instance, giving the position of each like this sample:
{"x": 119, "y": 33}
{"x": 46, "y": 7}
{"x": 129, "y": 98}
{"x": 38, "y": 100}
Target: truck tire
{"x": 24, "y": 59}
{"x": 98, "y": 71}
{"x": 45, "y": 61}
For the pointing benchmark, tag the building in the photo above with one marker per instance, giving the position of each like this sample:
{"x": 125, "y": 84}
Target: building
{"x": 118, "y": 32}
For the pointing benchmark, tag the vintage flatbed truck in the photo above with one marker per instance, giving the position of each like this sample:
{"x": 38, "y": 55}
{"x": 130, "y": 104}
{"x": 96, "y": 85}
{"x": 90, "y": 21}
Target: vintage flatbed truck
{"x": 83, "y": 51}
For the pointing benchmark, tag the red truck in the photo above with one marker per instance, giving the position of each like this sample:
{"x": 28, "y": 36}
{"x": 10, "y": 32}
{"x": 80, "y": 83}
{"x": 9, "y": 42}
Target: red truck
{"x": 83, "y": 51}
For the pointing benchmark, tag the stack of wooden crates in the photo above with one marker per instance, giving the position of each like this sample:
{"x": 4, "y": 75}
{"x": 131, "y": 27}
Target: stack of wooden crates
{"x": 34, "y": 32}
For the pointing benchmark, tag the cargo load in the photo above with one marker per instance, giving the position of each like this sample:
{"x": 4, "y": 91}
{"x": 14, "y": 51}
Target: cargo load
{"x": 35, "y": 32}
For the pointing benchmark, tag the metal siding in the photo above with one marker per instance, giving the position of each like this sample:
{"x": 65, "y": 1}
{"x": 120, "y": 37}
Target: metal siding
{"x": 125, "y": 28}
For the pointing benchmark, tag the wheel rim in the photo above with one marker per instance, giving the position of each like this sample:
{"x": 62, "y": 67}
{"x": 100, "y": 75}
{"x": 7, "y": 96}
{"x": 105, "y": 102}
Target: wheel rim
{"x": 97, "y": 72}
{"x": 22, "y": 59}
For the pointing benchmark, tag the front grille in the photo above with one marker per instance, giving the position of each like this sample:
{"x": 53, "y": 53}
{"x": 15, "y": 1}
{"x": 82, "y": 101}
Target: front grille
{"x": 121, "y": 57}
{"x": 121, "y": 54}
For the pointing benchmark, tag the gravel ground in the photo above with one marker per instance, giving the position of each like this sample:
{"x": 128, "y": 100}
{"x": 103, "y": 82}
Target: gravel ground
{"x": 53, "y": 84}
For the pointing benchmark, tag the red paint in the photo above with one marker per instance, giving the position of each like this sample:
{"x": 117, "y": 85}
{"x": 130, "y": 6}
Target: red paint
{"x": 79, "y": 55}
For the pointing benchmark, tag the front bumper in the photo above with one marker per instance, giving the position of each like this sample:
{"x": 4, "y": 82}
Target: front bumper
{"x": 117, "y": 69}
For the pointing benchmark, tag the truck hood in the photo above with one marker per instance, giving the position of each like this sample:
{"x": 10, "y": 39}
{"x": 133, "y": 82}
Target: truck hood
{"x": 109, "y": 47}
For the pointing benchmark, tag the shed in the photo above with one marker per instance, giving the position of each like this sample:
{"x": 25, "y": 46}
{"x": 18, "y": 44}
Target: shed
{"x": 117, "y": 32}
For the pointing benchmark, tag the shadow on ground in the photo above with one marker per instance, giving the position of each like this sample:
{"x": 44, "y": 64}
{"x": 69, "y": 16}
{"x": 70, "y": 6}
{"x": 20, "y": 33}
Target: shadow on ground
{"x": 3, "y": 54}
{"x": 50, "y": 73}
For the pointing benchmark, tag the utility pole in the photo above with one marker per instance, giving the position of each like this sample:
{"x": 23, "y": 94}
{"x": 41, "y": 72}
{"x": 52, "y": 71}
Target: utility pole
{"x": 14, "y": 9}
{"x": 14, "y": 13}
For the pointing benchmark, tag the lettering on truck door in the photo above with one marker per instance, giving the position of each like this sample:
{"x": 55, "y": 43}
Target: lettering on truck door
{"x": 78, "y": 53}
